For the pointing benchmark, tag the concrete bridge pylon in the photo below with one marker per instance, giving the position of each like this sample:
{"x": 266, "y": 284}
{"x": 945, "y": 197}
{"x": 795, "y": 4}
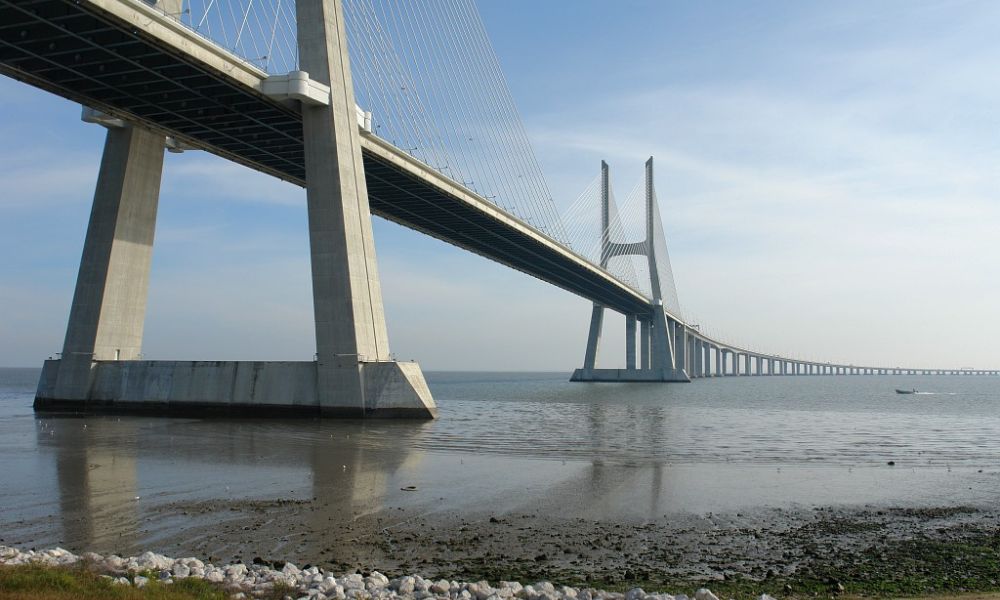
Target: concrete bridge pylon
{"x": 353, "y": 375}
{"x": 662, "y": 338}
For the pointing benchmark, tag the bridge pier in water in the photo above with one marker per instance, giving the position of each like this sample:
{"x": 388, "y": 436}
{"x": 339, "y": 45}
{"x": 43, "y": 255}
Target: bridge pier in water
{"x": 661, "y": 337}
{"x": 353, "y": 374}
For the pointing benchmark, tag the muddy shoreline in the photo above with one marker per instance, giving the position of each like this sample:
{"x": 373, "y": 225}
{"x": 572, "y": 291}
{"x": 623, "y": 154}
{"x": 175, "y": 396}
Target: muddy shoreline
{"x": 880, "y": 551}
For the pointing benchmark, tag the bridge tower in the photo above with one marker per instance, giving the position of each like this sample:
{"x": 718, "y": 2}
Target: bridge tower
{"x": 353, "y": 375}
{"x": 661, "y": 336}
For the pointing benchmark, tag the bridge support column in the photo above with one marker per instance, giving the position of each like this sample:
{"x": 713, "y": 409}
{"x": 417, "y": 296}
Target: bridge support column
{"x": 699, "y": 358}
{"x": 594, "y": 338}
{"x": 355, "y": 372}
{"x": 630, "y": 342}
{"x": 680, "y": 347}
{"x": 644, "y": 334}
{"x": 109, "y": 304}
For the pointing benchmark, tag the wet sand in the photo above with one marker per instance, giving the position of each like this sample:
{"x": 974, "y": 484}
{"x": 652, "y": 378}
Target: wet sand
{"x": 783, "y": 551}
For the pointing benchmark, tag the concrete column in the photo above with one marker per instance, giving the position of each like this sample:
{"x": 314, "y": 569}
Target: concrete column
{"x": 644, "y": 334}
{"x": 681, "y": 344}
{"x": 720, "y": 365}
{"x": 693, "y": 359}
{"x": 109, "y": 304}
{"x": 660, "y": 351}
{"x": 594, "y": 337}
{"x": 699, "y": 358}
{"x": 630, "y": 342}
{"x": 172, "y": 7}
{"x": 347, "y": 296}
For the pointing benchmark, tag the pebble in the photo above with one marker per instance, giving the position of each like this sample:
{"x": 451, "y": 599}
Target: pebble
{"x": 248, "y": 582}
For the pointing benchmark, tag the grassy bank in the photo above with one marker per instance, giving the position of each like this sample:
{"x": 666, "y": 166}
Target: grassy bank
{"x": 35, "y": 582}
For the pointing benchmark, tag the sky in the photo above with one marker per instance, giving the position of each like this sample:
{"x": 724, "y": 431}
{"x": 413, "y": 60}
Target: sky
{"x": 827, "y": 176}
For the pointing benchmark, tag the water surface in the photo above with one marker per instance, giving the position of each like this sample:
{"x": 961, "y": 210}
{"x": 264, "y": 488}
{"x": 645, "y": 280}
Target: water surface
{"x": 508, "y": 443}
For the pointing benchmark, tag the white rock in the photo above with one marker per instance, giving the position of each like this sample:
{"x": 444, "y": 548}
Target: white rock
{"x": 406, "y": 585}
{"x": 215, "y": 576}
{"x": 440, "y": 586}
{"x": 237, "y": 571}
{"x": 513, "y": 586}
{"x": 705, "y": 594}
{"x": 140, "y": 581}
{"x": 122, "y": 581}
{"x": 764, "y": 597}
{"x": 181, "y": 570}
{"x": 352, "y": 581}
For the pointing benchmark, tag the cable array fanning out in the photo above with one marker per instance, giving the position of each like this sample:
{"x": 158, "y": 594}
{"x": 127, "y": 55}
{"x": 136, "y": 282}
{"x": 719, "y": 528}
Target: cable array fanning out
{"x": 428, "y": 74}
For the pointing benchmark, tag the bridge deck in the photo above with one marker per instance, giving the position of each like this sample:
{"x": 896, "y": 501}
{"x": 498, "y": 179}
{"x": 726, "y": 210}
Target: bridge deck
{"x": 95, "y": 52}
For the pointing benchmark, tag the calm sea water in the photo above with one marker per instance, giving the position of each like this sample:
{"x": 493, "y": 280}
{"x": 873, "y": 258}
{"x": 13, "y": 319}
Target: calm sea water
{"x": 522, "y": 442}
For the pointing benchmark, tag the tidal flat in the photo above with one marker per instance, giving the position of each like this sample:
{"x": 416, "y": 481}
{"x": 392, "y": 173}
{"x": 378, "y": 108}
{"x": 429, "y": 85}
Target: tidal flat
{"x": 776, "y": 485}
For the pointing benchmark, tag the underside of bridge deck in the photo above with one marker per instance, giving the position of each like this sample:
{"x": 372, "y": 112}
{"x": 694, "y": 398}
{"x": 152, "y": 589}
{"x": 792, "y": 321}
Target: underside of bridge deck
{"x": 78, "y": 51}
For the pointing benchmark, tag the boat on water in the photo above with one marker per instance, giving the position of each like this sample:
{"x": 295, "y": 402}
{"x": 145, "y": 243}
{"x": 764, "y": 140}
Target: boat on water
{"x": 899, "y": 391}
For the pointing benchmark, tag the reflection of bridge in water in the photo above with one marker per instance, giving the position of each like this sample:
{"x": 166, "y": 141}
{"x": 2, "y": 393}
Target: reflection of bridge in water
{"x": 123, "y": 484}
{"x": 438, "y": 148}
{"x": 189, "y": 486}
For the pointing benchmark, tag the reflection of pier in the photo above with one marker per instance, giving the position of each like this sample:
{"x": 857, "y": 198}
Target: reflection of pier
{"x": 96, "y": 471}
{"x": 117, "y": 494}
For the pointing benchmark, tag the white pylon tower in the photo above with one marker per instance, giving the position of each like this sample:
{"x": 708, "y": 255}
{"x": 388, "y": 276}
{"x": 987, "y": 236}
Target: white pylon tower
{"x": 661, "y": 357}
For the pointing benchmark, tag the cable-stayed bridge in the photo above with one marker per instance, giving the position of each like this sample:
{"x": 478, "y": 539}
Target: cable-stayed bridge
{"x": 374, "y": 106}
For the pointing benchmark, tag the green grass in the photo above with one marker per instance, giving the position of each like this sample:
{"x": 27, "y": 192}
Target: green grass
{"x": 35, "y": 582}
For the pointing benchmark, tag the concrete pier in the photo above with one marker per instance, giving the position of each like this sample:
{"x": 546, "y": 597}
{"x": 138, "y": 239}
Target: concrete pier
{"x": 353, "y": 376}
{"x": 109, "y": 304}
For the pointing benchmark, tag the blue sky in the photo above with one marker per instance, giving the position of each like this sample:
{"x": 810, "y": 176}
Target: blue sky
{"x": 827, "y": 176}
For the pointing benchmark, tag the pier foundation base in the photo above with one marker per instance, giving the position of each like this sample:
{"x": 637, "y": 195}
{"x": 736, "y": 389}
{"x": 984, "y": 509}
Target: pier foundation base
{"x": 630, "y": 375}
{"x": 200, "y": 388}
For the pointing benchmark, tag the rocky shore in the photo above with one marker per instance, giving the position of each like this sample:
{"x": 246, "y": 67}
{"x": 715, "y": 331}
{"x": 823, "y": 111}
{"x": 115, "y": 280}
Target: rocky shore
{"x": 243, "y": 581}
{"x": 802, "y": 553}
